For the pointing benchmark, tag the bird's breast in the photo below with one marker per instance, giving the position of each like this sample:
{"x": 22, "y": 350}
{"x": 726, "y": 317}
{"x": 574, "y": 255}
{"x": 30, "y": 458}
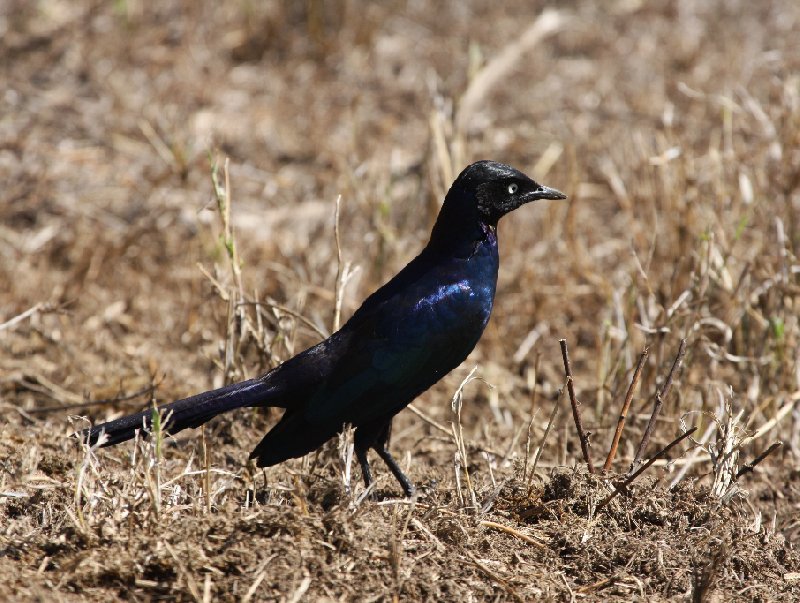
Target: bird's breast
{"x": 457, "y": 307}
{"x": 464, "y": 302}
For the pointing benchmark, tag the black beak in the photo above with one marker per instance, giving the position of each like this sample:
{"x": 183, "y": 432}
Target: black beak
{"x": 545, "y": 192}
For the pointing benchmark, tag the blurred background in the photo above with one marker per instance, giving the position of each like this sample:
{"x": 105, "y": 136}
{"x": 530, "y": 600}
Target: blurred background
{"x": 673, "y": 127}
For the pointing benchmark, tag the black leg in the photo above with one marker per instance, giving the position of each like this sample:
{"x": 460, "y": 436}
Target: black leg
{"x": 376, "y": 435}
{"x": 408, "y": 487}
{"x": 361, "y": 455}
{"x": 382, "y": 448}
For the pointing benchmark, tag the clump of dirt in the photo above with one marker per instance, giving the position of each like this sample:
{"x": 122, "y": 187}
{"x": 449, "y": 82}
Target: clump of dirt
{"x": 663, "y": 542}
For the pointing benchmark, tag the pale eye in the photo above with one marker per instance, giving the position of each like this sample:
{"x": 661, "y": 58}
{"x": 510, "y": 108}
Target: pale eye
{"x": 512, "y": 188}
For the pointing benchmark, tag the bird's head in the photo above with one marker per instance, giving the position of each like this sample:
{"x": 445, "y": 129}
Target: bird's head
{"x": 499, "y": 189}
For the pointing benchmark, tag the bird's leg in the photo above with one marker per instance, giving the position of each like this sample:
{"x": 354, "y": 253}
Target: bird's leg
{"x": 382, "y": 448}
{"x": 361, "y": 455}
{"x": 408, "y": 487}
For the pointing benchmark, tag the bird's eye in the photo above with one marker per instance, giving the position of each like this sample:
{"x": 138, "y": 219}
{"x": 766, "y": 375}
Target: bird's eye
{"x": 512, "y": 188}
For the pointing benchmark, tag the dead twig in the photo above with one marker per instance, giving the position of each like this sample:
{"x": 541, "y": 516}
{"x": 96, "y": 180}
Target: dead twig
{"x": 623, "y": 413}
{"x": 546, "y": 432}
{"x": 533, "y": 411}
{"x": 302, "y": 589}
{"x": 41, "y": 307}
{"x": 595, "y": 586}
{"x": 508, "y": 530}
{"x": 471, "y": 446}
{"x": 748, "y": 468}
{"x": 430, "y": 420}
{"x": 660, "y": 397}
{"x": 148, "y": 391}
{"x": 576, "y": 412}
{"x": 294, "y": 314}
{"x": 493, "y": 576}
{"x": 618, "y": 488}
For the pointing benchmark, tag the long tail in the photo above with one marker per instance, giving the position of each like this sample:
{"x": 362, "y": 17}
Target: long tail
{"x": 189, "y": 412}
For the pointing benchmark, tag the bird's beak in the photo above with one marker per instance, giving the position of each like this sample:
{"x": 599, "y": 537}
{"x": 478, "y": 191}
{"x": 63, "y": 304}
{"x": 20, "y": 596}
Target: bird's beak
{"x": 545, "y": 192}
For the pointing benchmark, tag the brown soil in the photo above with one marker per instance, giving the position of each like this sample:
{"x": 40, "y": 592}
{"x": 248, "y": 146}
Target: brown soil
{"x": 673, "y": 127}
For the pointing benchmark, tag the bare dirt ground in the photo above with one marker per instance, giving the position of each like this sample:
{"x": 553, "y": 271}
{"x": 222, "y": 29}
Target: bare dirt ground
{"x": 674, "y": 127}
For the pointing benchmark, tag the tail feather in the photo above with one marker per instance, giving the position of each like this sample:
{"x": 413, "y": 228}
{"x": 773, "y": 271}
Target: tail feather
{"x": 292, "y": 438}
{"x": 189, "y": 412}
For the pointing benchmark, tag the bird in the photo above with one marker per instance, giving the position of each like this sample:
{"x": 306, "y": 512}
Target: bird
{"x": 405, "y": 337}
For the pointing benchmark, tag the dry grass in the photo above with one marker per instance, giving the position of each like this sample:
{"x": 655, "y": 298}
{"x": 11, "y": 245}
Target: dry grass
{"x": 673, "y": 127}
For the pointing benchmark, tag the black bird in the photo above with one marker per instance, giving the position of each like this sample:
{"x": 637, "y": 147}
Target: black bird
{"x": 404, "y": 338}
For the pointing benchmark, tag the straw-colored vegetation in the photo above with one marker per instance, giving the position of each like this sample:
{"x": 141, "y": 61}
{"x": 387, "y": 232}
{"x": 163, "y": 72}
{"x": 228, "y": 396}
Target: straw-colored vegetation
{"x": 169, "y": 222}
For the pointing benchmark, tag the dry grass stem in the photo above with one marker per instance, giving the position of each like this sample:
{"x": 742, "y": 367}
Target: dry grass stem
{"x": 223, "y": 197}
{"x": 550, "y": 422}
{"x": 660, "y": 397}
{"x": 344, "y": 271}
{"x": 494, "y": 576}
{"x": 502, "y": 65}
{"x": 206, "y": 470}
{"x": 769, "y": 425}
{"x": 694, "y": 456}
{"x": 533, "y": 411}
{"x": 147, "y": 391}
{"x": 39, "y": 308}
{"x": 672, "y": 127}
{"x": 583, "y": 437}
{"x": 461, "y": 460}
{"x": 516, "y": 533}
{"x": 623, "y": 413}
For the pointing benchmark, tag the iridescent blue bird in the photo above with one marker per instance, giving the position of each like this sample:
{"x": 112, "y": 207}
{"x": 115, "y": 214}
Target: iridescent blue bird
{"x": 404, "y": 338}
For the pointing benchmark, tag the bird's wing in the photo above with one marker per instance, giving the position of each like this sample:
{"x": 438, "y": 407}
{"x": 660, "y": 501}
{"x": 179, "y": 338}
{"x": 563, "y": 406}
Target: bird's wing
{"x": 376, "y": 371}
{"x": 392, "y": 356}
